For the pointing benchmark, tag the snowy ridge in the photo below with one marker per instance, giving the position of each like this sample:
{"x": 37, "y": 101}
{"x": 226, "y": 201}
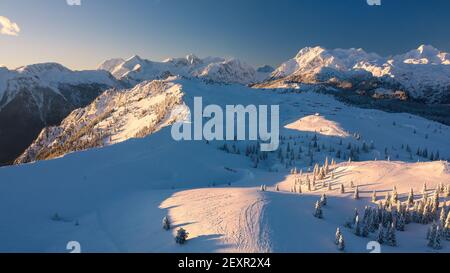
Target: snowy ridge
{"x": 215, "y": 69}
{"x": 115, "y": 116}
{"x": 424, "y": 72}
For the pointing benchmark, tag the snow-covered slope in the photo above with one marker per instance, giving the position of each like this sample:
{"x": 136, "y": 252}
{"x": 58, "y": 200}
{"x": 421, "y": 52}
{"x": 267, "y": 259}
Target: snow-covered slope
{"x": 424, "y": 72}
{"x": 136, "y": 69}
{"x": 114, "y": 198}
{"x": 113, "y": 117}
{"x": 39, "y": 95}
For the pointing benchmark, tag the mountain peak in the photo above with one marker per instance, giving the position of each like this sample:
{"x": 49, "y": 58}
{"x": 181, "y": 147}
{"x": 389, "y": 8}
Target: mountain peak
{"x": 42, "y": 67}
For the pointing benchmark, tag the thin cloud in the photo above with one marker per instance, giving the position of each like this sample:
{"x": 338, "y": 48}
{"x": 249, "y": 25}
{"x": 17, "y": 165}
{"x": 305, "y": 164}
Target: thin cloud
{"x": 8, "y": 28}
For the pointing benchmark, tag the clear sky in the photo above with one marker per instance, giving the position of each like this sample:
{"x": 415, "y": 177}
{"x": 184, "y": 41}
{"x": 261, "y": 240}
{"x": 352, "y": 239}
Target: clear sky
{"x": 257, "y": 31}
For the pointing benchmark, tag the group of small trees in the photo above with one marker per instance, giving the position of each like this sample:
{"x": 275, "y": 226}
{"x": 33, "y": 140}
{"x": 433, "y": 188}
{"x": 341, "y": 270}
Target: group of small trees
{"x": 182, "y": 234}
{"x": 381, "y": 221}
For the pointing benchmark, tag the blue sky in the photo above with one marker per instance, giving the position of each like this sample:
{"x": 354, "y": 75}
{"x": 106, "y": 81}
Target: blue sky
{"x": 258, "y": 31}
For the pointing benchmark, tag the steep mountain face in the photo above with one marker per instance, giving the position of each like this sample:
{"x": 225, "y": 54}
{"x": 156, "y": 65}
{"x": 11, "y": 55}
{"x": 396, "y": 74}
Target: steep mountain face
{"x": 115, "y": 116}
{"x": 215, "y": 69}
{"x": 40, "y": 95}
{"x": 422, "y": 74}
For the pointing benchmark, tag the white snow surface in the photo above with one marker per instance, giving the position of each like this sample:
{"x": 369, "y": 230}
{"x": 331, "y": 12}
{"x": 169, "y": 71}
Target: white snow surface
{"x": 119, "y": 194}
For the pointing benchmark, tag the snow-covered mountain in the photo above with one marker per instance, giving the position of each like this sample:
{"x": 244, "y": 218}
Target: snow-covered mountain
{"x": 113, "y": 199}
{"x": 39, "y": 95}
{"x": 113, "y": 117}
{"x": 423, "y": 73}
{"x": 214, "y": 69}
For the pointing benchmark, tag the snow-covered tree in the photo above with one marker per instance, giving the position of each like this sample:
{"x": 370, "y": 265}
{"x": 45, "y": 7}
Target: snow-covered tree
{"x": 410, "y": 200}
{"x": 374, "y": 196}
{"x": 446, "y": 230}
{"x": 277, "y": 188}
{"x": 318, "y": 211}
{"x": 166, "y": 223}
{"x": 380, "y": 235}
{"x": 357, "y": 226}
{"x": 394, "y": 197}
{"x": 342, "y": 188}
{"x": 338, "y": 235}
{"x": 181, "y": 236}
{"x": 323, "y": 200}
{"x": 341, "y": 243}
{"x": 400, "y": 223}
{"x": 391, "y": 238}
{"x": 356, "y": 193}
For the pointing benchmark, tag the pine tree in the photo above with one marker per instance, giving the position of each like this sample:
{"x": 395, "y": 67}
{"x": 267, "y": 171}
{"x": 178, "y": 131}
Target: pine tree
{"x": 392, "y": 237}
{"x": 410, "y": 200}
{"x": 380, "y": 235}
{"x": 338, "y": 236}
{"x": 431, "y": 233}
{"x": 341, "y": 243}
{"x": 365, "y": 230}
{"x": 277, "y": 188}
{"x": 356, "y": 194}
{"x": 329, "y": 186}
{"x": 181, "y": 236}
{"x": 374, "y": 196}
{"x": 437, "y": 238}
{"x": 166, "y": 223}
{"x": 342, "y": 189}
{"x": 394, "y": 197}
{"x": 318, "y": 211}
{"x": 446, "y": 230}
{"x": 401, "y": 223}
{"x": 323, "y": 200}
{"x": 442, "y": 216}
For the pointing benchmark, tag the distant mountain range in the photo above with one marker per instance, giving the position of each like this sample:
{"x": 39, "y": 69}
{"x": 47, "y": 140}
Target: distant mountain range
{"x": 422, "y": 74}
{"x": 35, "y": 96}
{"x": 215, "y": 69}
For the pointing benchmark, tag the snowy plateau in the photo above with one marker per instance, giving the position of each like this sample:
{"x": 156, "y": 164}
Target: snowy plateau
{"x": 110, "y": 172}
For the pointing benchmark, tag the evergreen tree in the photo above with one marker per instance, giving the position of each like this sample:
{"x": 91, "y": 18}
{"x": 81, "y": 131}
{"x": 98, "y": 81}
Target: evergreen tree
{"x": 318, "y": 211}
{"x": 356, "y": 194}
{"x": 374, "y": 196}
{"x": 341, "y": 243}
{"x": 323, "y": 200}
{"x": 410, "y": 200}
{"x": 342, "y": 188}
{"x": 401, "y": 223}
{"x": 446, "y": 230}
{"x": 357, "y": 227}
{"x": 394, "y": 197}
{"x": 437, "y": 238}
{"x": 365, "y": 230}
{"x": 443, "y": 216}
{"x": 338, "y": 235}
{"x": 391, "y": 236}
{"x": 277, "y": 188}
{"x": 380, "y": 235}
{"x": 166, "y": 223}
{"x": 181, "y": 236}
